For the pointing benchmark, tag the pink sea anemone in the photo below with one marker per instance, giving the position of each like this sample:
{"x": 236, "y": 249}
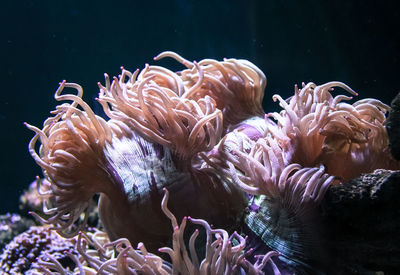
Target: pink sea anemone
{"x": 236, "y": 85}
{"x": 316, "y": 128}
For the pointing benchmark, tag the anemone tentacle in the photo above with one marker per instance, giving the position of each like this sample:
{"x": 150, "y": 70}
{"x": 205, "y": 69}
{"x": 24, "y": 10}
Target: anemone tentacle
{"x": 237, "y": 86}
{"x": 225, "y": 254}
{"x": 158, "y": 107}
{"x": 71, "y": 156}
{"x": 316, "y": 128}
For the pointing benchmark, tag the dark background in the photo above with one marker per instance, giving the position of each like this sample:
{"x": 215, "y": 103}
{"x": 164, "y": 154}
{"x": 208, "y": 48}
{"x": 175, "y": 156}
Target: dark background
{"x": 44, "y": 42}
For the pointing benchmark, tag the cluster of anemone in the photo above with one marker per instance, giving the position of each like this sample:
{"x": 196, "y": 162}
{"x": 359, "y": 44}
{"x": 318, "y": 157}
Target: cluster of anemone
{"x": 202, "y": 134}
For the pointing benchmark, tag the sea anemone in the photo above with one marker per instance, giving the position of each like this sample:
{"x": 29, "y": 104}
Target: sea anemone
{"x": 316, "y": 128}
{"x": 159, "y": 121}
{"x": 224, "y": 254}
{"x": 165, "y": 114}
{"x": 236, "y": 85}
{"x": 72, "y": 158}
{"x": 316, "y": 141}
{"x": 284, "y": 195}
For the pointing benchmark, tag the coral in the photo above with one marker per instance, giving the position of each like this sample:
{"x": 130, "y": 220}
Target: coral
{"x": 36, "y": 244}
{"x": 10, "y": 226}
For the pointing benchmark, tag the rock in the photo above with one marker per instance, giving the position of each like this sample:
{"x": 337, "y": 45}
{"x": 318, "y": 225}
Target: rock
{"x": 361, "y": 224}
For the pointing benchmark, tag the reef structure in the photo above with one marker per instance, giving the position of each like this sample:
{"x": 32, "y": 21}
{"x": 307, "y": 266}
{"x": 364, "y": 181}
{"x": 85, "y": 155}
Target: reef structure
{"x": 202, "y": 134}
{"x": 37, "y": 244}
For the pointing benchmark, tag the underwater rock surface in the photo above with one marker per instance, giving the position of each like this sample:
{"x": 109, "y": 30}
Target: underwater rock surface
{"x": 361, "y": 224}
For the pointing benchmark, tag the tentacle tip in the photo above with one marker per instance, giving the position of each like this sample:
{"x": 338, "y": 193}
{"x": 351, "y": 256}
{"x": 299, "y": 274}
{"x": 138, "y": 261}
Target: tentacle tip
{"x": 158, "y": 56}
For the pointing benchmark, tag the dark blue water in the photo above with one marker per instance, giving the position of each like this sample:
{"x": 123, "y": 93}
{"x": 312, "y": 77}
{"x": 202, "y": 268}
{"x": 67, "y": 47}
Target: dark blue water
{"x": 44, "y": 42}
